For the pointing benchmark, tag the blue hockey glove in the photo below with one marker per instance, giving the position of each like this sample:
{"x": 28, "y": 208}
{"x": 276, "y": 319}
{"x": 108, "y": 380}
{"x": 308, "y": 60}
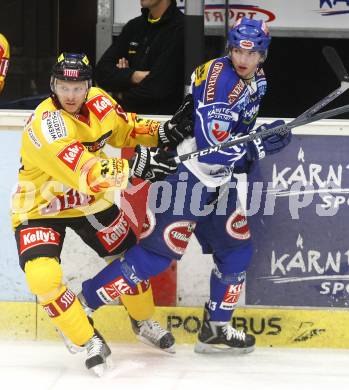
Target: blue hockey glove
{"x": 261, "y": 147}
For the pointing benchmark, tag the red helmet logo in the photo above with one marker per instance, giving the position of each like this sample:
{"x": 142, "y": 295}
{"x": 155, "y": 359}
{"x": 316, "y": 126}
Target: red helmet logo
{"x": 245, "y": 44}
{"x": 71, "y": 73}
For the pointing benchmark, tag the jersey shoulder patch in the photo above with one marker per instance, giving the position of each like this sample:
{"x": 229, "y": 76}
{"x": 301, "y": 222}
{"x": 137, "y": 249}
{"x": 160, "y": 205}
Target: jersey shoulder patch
{"x": 201, "y": 73}
{"x": 53, "y": 126}
{"x": 212, "y": 80}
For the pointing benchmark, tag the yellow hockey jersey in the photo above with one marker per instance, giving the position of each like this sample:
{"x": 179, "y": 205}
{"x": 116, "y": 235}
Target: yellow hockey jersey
{"x": 4, "y": 60}
{"x": 57, "y": 145}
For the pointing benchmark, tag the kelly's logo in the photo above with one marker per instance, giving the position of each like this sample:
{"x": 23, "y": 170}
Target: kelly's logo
{"x": 71, "y": 155}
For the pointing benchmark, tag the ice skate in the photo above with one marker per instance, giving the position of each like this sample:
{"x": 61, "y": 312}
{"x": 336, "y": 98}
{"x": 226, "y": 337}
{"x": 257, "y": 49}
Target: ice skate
{"x": 151, "y": 333}
{"x": 221, "y": 337}
{"x": 97, "y": 354}
{"x": 148, "y": 331}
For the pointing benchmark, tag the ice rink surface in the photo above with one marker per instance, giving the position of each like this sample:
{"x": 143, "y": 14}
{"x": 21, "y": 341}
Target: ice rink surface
{"x": 49, "y": 366}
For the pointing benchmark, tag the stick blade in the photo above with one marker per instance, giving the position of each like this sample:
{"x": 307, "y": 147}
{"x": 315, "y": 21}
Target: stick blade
{"x": 336, "y": 63}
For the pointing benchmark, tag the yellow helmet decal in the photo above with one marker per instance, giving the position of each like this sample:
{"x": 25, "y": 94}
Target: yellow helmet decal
{"x": 60, "y": 58}
{"x": 85, "y": 60}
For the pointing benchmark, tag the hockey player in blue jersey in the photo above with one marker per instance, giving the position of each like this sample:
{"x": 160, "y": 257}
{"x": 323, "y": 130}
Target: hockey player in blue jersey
{"x": 227, "y": 92}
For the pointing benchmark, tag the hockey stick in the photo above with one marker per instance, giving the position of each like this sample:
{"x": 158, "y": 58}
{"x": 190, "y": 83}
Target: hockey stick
{"x": 324, "y": 115}
{"x": 337, "y": 66}
{"x": 336, "y": 63}
{"x": 308, "y": 116}
{"x": 299, "y": 121}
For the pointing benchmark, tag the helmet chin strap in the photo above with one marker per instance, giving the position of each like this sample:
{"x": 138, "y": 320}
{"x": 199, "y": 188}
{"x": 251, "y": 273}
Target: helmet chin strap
{"x": 248, "y": 78}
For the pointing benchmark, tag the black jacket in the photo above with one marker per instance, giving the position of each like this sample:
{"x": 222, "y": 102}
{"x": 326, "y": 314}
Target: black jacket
{"x": 155, "y": 47}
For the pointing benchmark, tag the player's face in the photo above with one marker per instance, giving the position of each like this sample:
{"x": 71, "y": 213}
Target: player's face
{"x": 245, "y": 61}
{"x": 71, "y": 94}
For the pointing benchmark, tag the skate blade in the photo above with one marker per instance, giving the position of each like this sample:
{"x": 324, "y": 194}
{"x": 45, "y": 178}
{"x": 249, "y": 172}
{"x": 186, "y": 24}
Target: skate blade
{"x": 71, "y": 347}
{"x": 171, "y": 350}
{"x": 74, "y": 349}
{"x": 109, "y": 364}
{"x": 216, "y": 348}
{"x": 100, "y": 369}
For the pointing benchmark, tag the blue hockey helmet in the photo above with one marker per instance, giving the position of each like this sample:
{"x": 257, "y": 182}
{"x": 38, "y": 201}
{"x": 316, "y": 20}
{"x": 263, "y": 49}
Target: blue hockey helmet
{"x": 249, "y": 34}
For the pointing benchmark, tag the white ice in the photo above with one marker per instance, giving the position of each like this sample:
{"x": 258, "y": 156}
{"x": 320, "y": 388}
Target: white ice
{"x": 49, "y": 366}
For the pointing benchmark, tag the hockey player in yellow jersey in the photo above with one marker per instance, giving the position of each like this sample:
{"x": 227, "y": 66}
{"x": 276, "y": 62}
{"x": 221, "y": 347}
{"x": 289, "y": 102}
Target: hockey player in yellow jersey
{"x": 4, "y": 60}
{"x": 66, "y": 180}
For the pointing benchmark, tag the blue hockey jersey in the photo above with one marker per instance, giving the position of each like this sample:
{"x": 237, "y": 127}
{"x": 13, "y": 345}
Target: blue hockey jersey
{"x": 225, "y": 107}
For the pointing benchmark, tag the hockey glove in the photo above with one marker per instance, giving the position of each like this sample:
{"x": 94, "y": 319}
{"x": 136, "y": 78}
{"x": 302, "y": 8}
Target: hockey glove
{"x": 261, "y": 147}
{"x": 152, "y": 164}
{"x": 180, "y": 126}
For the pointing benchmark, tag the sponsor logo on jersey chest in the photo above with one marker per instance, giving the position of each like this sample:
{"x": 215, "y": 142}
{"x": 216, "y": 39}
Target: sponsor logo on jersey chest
{"x": 100, "y": 105}
{"x": 219, "y": 130}
{"x": 99, "y": 143}
{"x": 71, "y": 155}
{"x": 236, "y": 91}
{"x": 53, "y": 126}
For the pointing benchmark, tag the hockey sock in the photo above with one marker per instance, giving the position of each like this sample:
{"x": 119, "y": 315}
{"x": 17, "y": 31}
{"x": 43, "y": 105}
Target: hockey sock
{"x": 225, "y": 293}
{"x": 107, "y": 286}
{"x": 119, "y": 278}
{"x": 68, "y": 315}
{"x": 44, "y": 278}
{"x": 140, "y": 306}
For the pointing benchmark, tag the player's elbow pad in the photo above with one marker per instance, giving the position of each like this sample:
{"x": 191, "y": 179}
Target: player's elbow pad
{"x": 102, "y": 174}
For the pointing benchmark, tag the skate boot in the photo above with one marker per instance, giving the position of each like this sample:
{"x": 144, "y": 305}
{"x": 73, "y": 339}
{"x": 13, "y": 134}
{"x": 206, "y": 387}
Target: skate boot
{"x": 147, "y": 331}
{"x": 151, "y": 333}
{"x": 218, "y": 336}
{"x": 97, "y": 354}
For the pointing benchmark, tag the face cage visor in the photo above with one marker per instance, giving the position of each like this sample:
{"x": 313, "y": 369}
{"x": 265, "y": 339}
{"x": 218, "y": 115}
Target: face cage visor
{"x": 263, "y": 53}
{"x": 53, "y": 83}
